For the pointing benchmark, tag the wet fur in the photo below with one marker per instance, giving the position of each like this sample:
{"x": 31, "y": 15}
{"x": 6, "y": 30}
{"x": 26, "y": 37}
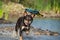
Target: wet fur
{"x": 20, "y": 23}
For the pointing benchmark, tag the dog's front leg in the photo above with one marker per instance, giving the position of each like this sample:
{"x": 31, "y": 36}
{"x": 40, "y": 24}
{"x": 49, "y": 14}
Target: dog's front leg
{"x": 21, "y": 36}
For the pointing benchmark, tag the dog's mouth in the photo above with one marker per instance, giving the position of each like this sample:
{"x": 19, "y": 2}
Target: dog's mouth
{"x": 27, "y": 22}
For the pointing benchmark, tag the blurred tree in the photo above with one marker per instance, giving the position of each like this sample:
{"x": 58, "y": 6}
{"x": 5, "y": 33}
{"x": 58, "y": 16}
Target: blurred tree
{"x": 52, "y": 3}
{"x": 17, "y": 1}
{"x": 38, "y": 4}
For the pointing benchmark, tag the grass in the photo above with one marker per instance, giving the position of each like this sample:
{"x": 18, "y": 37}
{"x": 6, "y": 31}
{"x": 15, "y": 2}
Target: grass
{"x": 1, "y": 13}
{"x": 2, "y": 10}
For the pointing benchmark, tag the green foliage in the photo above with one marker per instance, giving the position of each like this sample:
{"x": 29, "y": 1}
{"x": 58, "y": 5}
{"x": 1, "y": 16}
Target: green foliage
{"x": 0, "y": 13}
{"x": 0, "y": 4}
{"x": 1, "y": 9}
{"x": 41, "y": 4}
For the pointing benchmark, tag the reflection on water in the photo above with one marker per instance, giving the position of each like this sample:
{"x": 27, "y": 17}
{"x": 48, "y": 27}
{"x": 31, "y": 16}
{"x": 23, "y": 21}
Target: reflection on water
{"x": 50, "y": 24}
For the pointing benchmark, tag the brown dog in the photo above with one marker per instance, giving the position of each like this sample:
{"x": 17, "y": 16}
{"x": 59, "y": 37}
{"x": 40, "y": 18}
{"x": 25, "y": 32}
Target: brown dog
{"x": 23, "y": 24}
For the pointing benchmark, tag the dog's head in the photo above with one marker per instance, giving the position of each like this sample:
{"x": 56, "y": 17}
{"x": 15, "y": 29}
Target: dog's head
{"x": 28, "y": 19}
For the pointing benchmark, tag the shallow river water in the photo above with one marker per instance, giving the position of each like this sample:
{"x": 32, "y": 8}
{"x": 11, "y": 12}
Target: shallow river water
{"x": 50, "y": 24}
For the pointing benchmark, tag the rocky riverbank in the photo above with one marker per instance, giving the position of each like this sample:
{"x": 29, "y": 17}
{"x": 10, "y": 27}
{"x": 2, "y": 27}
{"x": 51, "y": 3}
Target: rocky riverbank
{"x": 50, "y": 14}
{"x": 44, "y": 32}
{"x": 5, "y": 22}
{"x": 35, "y": 31}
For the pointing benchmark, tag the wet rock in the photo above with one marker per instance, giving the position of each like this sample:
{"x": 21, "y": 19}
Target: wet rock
{"x": 35, "y": 31}
{"x": 44, "y": 32}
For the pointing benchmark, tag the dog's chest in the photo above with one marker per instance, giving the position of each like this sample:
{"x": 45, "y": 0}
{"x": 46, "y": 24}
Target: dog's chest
{"x": 24, "y": 27}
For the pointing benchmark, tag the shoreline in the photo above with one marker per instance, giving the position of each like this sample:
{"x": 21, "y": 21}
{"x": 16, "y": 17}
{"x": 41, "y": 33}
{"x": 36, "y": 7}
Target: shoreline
{"x": 14, "y": 21}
